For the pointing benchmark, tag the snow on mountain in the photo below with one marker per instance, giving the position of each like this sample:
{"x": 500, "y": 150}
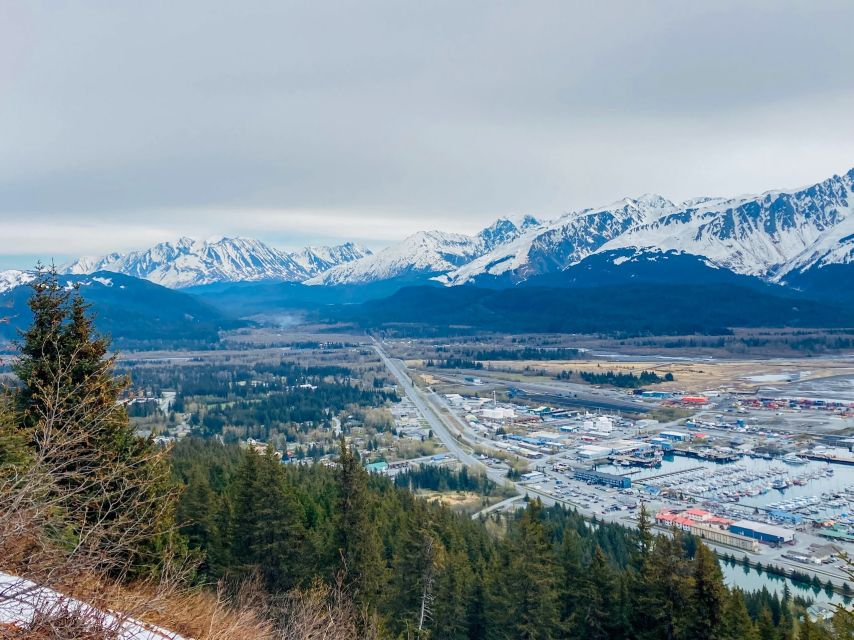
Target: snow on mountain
{"x": 425, "y": 253}
{"x": 759, "y": 235}
{"x": 188, "y": 262}
{"x": 767, "y": 235}
{"x": 833, "y": 246}
{"x": 565, "y": 241}
{"x": 315, "y": 260}
{"x": 14, "y": 278}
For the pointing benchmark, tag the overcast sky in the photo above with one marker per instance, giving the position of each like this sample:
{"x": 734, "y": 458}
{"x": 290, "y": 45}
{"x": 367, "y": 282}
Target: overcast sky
{"x": 127, "y": 123}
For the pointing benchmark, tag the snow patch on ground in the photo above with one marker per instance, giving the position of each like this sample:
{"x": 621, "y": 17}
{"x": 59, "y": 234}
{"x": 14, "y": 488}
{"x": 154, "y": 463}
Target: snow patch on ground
{"x": 21, "y": 599}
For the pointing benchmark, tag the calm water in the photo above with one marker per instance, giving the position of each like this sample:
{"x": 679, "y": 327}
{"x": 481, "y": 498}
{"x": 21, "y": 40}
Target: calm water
{"x": 750, "y": 580}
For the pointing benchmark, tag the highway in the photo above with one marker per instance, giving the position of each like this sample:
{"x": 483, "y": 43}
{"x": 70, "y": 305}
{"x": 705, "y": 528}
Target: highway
{"x": 432, "y": 416}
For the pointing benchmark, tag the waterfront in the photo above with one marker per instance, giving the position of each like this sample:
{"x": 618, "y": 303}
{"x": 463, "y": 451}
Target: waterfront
{"x": 748, "y": 579}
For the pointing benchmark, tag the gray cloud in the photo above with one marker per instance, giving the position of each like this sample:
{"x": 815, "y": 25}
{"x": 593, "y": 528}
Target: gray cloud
{"x": 298, "y": 121}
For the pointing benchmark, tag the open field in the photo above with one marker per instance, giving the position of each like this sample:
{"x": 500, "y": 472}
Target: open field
{"x": 697, "y": 375}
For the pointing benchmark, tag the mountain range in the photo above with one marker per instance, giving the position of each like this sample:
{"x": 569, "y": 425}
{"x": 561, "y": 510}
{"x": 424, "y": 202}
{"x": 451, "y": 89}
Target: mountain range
{"x": 783, "y": 236}
{"x": 188, "y": 262}
{"x": 795, "y": 244}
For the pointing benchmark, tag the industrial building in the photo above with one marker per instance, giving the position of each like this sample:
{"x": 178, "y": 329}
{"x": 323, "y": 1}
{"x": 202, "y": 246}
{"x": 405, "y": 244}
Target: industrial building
{"x": 677, "y": 436}
{"x": 707, "y": 526}
{"x": 599, "y": 477}
{"x": 594, "y": 452}
{"x": 762, "y": 532}
{"x": 713, "y": 534}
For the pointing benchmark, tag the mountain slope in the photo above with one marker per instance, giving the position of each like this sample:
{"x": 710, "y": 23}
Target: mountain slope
{"x": 188, "y": 262}
{"x": 129, "y": 309}
{"x": 426, "y": 253}
{"x": 755, "y": 235}
{"x": 556, "y": 245}
{"x": 644, "y": 266}
{"x": 766, "y": 235}
{"x": 13, "y": 278}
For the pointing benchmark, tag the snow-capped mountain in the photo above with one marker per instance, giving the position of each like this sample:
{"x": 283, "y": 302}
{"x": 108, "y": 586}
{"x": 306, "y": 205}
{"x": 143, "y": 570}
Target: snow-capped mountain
{"x": 764, "y": 235}
{"x": 188, "y": 262}
{"x": 558, "y": 244}
{"x": 772, "y": 236}
{"x": 14, "y": 278}
{"x": 426, "y": 253}
{"x": 767, "y": 235}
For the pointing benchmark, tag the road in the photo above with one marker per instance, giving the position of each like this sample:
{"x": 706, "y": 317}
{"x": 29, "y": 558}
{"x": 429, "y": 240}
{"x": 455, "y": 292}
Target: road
{"x": 437, "y": 422}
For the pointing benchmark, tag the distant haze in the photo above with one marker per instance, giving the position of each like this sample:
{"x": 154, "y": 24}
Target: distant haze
{"x": 125, "y": 124}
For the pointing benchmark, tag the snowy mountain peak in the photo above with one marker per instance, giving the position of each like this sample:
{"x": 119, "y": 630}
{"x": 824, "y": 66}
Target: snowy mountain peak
{"x": 188, "y": 262}
{"x": 14, "y": 278}
{"x": 754, "y": 235}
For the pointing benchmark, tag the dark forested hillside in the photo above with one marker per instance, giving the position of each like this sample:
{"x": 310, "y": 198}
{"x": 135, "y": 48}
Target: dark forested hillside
{"x": 625, "y": 309}
{"x": 132, "y": 311}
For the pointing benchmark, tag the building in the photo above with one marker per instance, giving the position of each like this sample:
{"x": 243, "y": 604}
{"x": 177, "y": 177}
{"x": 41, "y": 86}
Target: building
{"x": 707, "y": 526}
{"x": 663, "y": 443}
{"x": 498, "y": 413}
{"x": 380, "y": 467}
{"x": 594, "y": 452}
{"x": 676, "y": 436}
{"x": 721, "y": 536}
{"x": 768, "y": 533}
{"x": 599, "y": 477}
{"x": 533, "y": 475}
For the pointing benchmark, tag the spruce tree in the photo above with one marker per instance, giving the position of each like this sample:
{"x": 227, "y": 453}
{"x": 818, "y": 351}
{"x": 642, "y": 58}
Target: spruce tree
{"x": 114, "y": 491}
{"x": 534, "y": 571}
{"x": 709, "y": 596}
{"x": 356, "y": 538}
{"x": 598, "y": 619}
{"x": 737, "y": 624}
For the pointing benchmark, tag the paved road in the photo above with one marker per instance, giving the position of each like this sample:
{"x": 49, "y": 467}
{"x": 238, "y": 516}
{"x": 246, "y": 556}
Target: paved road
{"x": 440, "y": 429}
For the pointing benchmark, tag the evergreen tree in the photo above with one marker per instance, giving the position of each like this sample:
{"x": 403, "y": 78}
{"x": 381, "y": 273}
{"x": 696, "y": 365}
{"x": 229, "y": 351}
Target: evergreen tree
{"x": 709, "y": 597}
{"x": 598, "y": 617}
{"x": 667, "y": 595}
{"x": 737, "y": 624}
{"x": 278, "y": 541}
{"x": 533, "y": 565}
{"x": 115, "y": 488}
{"x": 356, "y": 539}
{"x": 765, "y": 625}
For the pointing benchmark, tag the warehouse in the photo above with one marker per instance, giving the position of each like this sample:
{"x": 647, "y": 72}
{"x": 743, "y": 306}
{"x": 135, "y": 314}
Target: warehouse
{"x": 762, "y": 532}
{"x": 713, "y": 534}
{"x": 598, "y": 477}
{"x": 678, "y": 436}
{"x": 594, "y": 452}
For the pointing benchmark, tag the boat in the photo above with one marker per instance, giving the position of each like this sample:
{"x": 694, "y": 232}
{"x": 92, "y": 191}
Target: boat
{"x": 791, "y": 458}
{"x": 780, "y": 484}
